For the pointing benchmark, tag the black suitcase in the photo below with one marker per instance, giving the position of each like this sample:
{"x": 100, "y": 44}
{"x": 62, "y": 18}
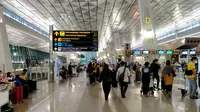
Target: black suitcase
{"x": 25, "y": 91}
{"x": 30, "y": 85}
{"x": 92, "y": 79}
{"x": 34, "y": 83}
{"x": 138, "y": 76}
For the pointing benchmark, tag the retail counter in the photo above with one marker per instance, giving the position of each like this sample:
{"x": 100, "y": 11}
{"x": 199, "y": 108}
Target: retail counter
{"x": 4, "y": 98}
{"x": 36, "y": 73}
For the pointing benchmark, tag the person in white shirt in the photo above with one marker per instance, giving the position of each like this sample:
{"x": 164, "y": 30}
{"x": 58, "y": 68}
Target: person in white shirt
{"x": 123, "y": 71}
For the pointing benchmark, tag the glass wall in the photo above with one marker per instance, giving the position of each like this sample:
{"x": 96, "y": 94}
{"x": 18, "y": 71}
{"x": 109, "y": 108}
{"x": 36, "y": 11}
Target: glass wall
{"x": 23, "y": 57}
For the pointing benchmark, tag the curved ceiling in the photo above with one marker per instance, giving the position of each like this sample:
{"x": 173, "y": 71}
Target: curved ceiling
{"x": 106, "y": 16}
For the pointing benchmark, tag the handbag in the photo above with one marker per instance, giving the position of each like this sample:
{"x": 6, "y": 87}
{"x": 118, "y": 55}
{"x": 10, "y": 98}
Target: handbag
{"x": 188, "y": 72}
{"x": 121, "y": 77}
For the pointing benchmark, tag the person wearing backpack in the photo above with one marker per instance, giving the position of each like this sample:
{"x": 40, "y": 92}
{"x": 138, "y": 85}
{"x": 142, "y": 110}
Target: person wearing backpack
{"x": 168, "y": 74}
{"x": 123, "y": 75}
{"x": 155, "y": 67}
{"x": 106, "y": 77}
{"x": 145, "y": 78}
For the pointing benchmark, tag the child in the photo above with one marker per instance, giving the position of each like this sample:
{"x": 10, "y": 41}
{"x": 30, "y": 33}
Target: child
{"x": 151, "y": 85}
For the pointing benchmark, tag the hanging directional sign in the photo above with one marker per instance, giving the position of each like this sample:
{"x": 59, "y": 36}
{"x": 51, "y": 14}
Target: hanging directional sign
{"x": 147, "y": 20}
{"x": 70, "y": 41}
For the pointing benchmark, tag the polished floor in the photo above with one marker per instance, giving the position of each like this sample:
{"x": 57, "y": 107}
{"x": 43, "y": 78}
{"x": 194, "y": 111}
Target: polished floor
{"x": 76, "y": 95}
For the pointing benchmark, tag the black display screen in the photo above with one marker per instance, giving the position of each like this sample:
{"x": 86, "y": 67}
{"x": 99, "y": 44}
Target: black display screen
{"x": 70, "y": 41}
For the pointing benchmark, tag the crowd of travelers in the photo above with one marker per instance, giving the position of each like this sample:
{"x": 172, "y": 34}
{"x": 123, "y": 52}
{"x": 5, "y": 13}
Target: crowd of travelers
{"x": 113, "y": 75}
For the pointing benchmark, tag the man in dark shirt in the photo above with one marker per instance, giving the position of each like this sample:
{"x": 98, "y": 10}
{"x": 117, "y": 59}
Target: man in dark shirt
{"x": 155, "y": 67}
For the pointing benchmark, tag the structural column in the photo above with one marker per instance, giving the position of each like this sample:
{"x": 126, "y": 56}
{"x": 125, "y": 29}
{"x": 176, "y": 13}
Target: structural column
{"x": 51, "y": 76}
{"x": 147, "y": 27}
{"x": 5, "y": 56}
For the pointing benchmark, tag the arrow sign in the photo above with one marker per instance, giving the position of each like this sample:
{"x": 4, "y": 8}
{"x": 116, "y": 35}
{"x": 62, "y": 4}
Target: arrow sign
{"x": 56, "y": 34}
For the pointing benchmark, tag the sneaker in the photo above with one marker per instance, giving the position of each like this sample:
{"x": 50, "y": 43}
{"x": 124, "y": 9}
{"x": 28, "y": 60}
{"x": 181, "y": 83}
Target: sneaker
{"x": 193, "y": 97}
{"x": 123, "y": 96}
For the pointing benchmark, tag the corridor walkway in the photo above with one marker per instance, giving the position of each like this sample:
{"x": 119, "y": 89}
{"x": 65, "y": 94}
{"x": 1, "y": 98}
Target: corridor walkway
{"x": 76, "y": 95}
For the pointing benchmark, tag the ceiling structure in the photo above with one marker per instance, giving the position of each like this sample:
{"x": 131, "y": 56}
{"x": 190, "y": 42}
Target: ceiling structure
{"x": 173, "y": 15}
{"x": 106, "y": 16}
{"x": 17, "y": 37}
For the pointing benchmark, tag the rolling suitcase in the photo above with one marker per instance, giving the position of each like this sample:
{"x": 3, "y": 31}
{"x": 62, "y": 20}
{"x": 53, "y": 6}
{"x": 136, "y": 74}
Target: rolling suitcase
{"x": 34, "y": 85}
{"x": 138, "y": 76}
{"x": 92, "y": 79}
{"x": 30, "y": 85}
{"x": 25, "y": 91}
{"x": 19, "y": 94}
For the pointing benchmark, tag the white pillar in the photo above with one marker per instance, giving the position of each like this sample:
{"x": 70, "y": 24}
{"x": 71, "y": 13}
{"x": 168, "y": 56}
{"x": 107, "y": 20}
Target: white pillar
{"x": 5, "y": 56}
{"x": 147, "y": 28}
{"x": 51, "y": 76}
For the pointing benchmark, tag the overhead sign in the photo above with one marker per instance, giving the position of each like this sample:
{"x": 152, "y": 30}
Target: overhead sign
{"x": 184, "y": 52}
{"x": 70, "y": 41}
{"x": 137, "y": 52}
{"x": 161, "y": 52}
{"x": 192, "y": 52}
{"x": 147, "y": 20}
{"x": 169, "y": 52}
{"x": 145, "y": 52}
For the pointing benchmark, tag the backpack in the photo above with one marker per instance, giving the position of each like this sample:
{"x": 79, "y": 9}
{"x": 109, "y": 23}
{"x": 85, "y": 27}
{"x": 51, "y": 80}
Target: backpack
{"x": 121, "y": 76}
{"x": 146, "y": 70}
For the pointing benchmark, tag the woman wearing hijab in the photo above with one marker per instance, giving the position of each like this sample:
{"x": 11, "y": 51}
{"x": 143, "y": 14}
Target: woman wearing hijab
{"x": 168, "y": 74}
{"x": 106, "y": 77}
{"x": 90, "y": 74}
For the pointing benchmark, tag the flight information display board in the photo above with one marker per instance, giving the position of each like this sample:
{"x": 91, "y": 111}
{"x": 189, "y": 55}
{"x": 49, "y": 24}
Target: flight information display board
{"x": 70, "y": 41}
{"x": 192, "y": 52}
{"x": 145, "y": 52}
{"x": 184, "y": 52}
{"x": 137, "y": 52}
{"x": 169, "y": 52}
{"x": 161, "y": 52}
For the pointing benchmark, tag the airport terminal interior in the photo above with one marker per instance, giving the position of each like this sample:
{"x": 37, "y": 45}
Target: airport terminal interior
{"x": 99, "y": 55}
